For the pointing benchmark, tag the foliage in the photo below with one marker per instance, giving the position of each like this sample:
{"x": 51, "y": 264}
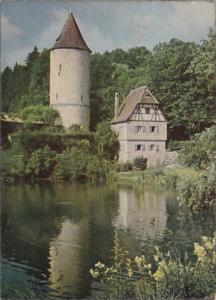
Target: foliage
{"x": 29, "y": 292}
{"x": 32, "y": 140}
{"x": 124, "y": 167}
{"x": 27, "y": 84}
{"x": 199, "y": 193}
{"x": 78, "y": 130}
{"x": 140, "y": 163}
{"x": 12, "y": 165}
{"x": 165, "y": 277}
{"x": 180, "y": 74}
{"x": 40, "y": 113}
{"x": 106, "y": 141}
{"x": 41, "y": 162}
{"x": 78, "y": 163}
{"x": 199, "y": 150}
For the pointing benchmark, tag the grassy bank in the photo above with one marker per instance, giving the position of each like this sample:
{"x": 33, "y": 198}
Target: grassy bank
{"x": 196, "y": 189}
{"x": 160, "y": 175}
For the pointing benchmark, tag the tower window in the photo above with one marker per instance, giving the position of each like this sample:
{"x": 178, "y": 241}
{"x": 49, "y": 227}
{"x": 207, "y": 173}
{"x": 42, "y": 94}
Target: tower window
{"x": 59, "y": 71}
{"x": 147, "y": 110}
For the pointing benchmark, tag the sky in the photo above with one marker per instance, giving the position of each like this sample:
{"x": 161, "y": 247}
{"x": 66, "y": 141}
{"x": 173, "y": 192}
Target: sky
{"x": 105, "y": 25}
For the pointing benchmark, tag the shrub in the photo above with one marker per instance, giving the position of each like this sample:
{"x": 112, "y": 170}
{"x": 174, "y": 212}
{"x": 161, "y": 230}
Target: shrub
{"x": 106, "y": 141}
{"x": 165, "y": 277}
{"x": 77, "y": 163}
{"x": 140, "y": 163}
{"x": 199, "y": 151}
{"x": 198, "y": 193}
{"x": 12, "y": 165}
{"x": 40, "y": 113}
{"x": 41, "y": 162}
{"x": 124, "y": 167}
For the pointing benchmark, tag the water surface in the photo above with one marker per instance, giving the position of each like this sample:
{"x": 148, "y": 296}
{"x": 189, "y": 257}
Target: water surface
{"x": 52, "y": 234}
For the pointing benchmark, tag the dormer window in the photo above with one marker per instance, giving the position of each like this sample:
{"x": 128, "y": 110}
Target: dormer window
{"x": 147, "y": 110}
{"x": 59, "y": 71}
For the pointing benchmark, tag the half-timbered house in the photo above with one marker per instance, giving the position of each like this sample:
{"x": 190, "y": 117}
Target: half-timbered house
{"x": 141, "y": 127}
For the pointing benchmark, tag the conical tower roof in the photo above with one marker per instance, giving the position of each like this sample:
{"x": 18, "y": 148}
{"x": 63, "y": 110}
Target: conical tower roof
{"x": 70, "y": 36}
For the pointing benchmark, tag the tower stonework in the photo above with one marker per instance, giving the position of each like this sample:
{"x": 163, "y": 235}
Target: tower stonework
{"x": 70, "y": 76}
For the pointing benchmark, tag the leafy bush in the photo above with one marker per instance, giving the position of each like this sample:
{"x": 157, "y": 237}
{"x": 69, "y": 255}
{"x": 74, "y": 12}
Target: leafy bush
{"x": 199, "y": 150}
{"x": 78, "y": 130}
{"x": 165, "y": 277}
{"x": 12, "y": 165}
{"x": 41, "y": 162}
{"x": 77, "y": 163}
{"x": 124, "y": 167}
{"x": 140, "y": 163}
{"x": 40, "y": 113}
{"x": 106, "y": 141}
{"x": 198, "y": 193}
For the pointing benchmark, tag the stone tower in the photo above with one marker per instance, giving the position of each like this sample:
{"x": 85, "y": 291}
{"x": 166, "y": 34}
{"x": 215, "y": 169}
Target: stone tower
{"x": 70, "y": 76}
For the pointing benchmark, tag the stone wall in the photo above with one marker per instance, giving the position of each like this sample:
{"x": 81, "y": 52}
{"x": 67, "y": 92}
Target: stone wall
{"x": 69, "y": 85}
{"x": 171, "y": 158}
{"x": 129, "y": 138}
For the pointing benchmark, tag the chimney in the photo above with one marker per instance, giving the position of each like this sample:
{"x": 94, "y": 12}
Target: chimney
{"x": 116, "y": 104}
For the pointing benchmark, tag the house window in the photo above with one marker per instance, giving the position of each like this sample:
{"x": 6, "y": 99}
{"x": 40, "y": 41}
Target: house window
{"x": 56, "y": 95}
{"x": 143, "y": 147}
{"x": 138, "y": 147}
{"x": 151, "y": 147}
{"x": 59, "y": 71}
{"x": 147, "y": 110}
{"x": 154, "y": 129}
{"x": 140, "y": 129}
{"x": 157, "y": 148}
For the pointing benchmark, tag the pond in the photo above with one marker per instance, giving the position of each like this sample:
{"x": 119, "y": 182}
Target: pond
{"x": 52, "y": 234}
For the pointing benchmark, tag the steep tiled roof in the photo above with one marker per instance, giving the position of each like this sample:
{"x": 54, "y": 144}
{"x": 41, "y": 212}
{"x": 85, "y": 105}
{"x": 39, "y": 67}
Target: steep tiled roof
{"x": 70, "y": 36}
{"x": 136, "y": 96}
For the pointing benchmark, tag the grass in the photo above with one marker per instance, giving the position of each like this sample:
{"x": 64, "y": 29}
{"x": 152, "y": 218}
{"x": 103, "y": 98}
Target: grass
{"x": 160, "y": 175}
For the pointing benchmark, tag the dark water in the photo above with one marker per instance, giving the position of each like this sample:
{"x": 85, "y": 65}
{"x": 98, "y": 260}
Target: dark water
{"x": 52, "y": 234}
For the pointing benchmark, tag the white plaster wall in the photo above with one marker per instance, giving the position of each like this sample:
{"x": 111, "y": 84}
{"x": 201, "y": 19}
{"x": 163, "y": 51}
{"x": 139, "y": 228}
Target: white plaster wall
{"x": 121, "y": 130}
{"x": 69, "y": 85}
{"x": 154, "y": 157}
{"x": 132, "y": 134}
{"x": 72, "y": 114}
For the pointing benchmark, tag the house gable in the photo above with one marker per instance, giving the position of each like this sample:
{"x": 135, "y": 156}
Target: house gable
{"x": 137, "y": 105}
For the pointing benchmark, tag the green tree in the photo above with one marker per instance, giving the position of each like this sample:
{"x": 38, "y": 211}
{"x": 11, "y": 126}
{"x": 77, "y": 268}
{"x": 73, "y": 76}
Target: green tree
{"x": 106, "y": 141}
{"x": 7, "y": 89}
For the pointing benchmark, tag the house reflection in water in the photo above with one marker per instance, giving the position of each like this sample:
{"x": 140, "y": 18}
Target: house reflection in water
{"x": 142, "y": 213}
